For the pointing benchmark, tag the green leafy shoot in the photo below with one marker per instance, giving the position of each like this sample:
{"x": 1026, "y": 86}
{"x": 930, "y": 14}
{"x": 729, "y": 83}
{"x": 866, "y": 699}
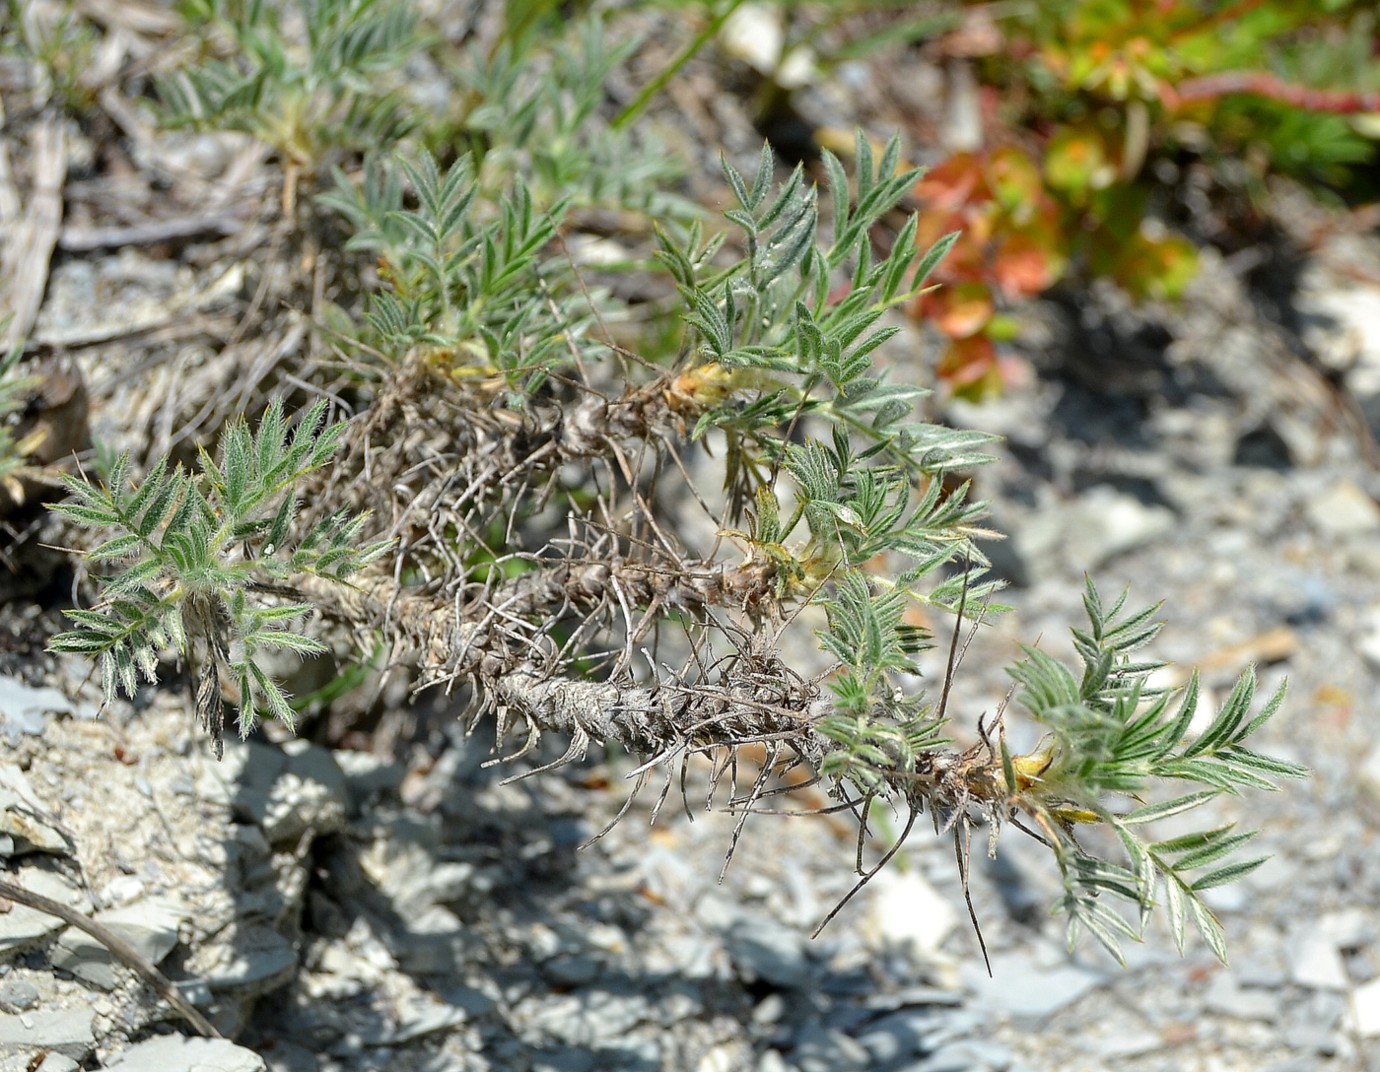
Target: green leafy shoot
{"x": 784, "y": 344}
{"x": 796, "y": 339}
{"x": 200, "y": 563}
{"x": 461, "y": 281}
{"x": 1115, "y": 736}
{"x": 329, "y": 89}
{"x": 534, "y": 107}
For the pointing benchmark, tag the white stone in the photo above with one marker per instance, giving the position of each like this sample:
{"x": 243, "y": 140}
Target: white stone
{"x": 1343, "y": 325}
{"x": 755, "y": 34}
{"x": 1316, "y": 963}
{"x": 1369, "y": 775}
{"x": 1344, "y": 509}
{"x": 1368, "y": 641}
{"x": 1105, "y": 523}
{"x": 907, "y": 910}
{"x": 1349, "y": 928}
{"x": 1365, "y": 1008}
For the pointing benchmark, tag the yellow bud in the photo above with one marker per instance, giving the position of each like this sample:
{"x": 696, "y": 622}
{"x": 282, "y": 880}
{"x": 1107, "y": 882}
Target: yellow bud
{"x": 1031, "y": 767}
{"x": 700, "y": 388}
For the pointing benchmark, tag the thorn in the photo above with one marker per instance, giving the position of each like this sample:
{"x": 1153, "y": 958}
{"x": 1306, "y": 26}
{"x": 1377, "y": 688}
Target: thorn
{"x": 963, "y": 851}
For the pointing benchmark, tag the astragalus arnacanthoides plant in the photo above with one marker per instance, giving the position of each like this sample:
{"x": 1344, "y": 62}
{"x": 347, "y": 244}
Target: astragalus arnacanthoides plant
{"x": 528, "y": 470}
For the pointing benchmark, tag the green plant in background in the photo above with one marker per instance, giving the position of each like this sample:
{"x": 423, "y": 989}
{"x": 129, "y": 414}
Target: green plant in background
{"x": 1093, "y": 93}
{"x": 327, "y": 84}
{"x": 490, "y": 229}
{"x": 534, "y": 108}
{"x": 61, "y": 41}
{"x": 205, "y": 561}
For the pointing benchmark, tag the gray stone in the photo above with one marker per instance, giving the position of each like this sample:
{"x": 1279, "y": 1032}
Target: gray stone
{"x": 1259, "y": 968}
{"x": 1227, "y": 900}
{"x": 693, "y": 956}
{"x": 1225, "y": 996}
{"x": 1349, "y": 928}
{"x": 310, "y": 795}
{"x": 564, "y": 1060}
{"x": 64, "y": 1031}
{"x": 730, "y": 1056}
{"x": 289, "y": 791}
{"x": 1368, "y": 644}
{"x": 1123, "y": 1043}
{"x": 24, "y": 1062}
{"x": 769, "y": 1010}
{"x": 179, "y": 1053}
{"x": 633, "y": 1054}
{"x": 577, "y": 970}
{"x": 918, "y": 996}
{"x": 1314, "y": 1025}
{"x": 902, "y": 1034}
{"x": 1104, "y": 523}
{"x": 242, "y": 779}
{"x": 590, "y": 1017}
{"x": 1339, "y": 323}
{"x": 122, "y": 890}
{"x": 1314, "y": 1038}
{"x": 24, "y": 819}
{"x": 967, "y": 1055}
{"x": 1029, "y": 552}
{"x": 762, "y": 948}
{"x": 434, "y": 943}
{"x": 22, "y": 927}
{"x": 772, "y": 1061}
{"x": 1314, "y": 962}
{"x": 24, "y": 710}
{"x": 679, "y": 1003}
{"x": 368, "y": 776}
{"x": 247, "y": 959}
{"x": 399, "y": 860}
{"x": 285, "y": 1056}
{"x": 1369, "y": 776}
{"x": 195, "y": 992}
{"x": 1028, "y": 991}
{"x": 150, "y": 926}
{"x": 423, "y": 1017}
{"x": 475, "y": 1002}
{"x": 16, "y": 995}
{"x": 820, "y": 1049}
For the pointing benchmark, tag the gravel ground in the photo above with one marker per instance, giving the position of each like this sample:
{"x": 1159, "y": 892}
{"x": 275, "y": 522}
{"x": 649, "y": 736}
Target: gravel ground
{"x": 342, "y": 912}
